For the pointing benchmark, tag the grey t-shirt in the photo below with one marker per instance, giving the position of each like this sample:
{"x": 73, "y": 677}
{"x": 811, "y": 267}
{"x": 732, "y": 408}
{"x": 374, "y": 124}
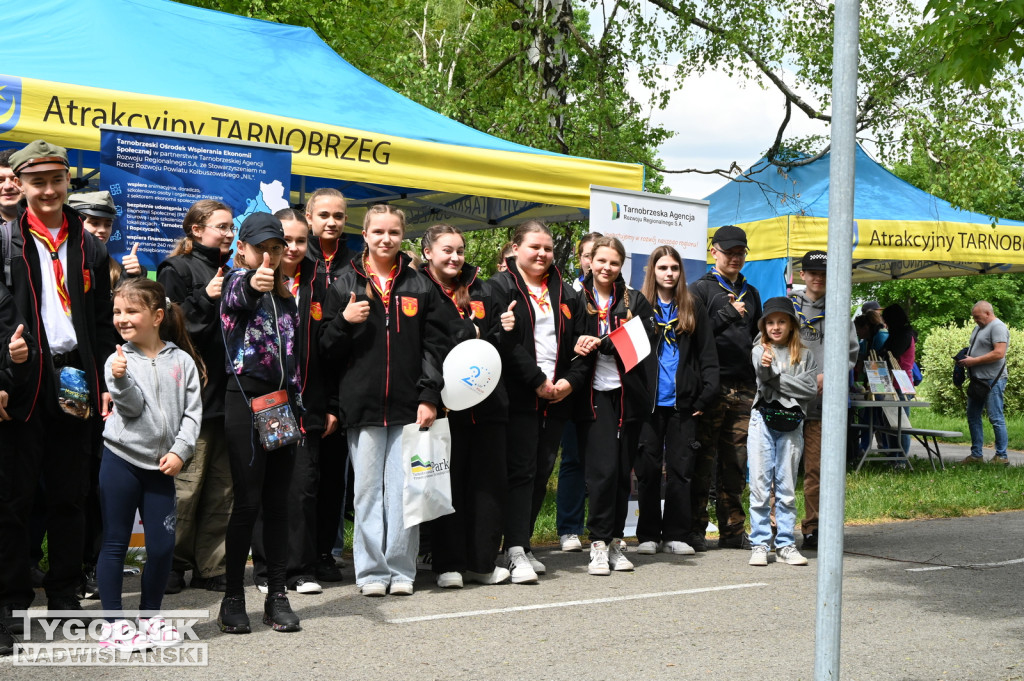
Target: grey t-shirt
{"x": 983, "y": 341}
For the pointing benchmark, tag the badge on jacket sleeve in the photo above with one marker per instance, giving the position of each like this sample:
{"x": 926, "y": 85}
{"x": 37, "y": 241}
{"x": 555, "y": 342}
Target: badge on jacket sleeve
{"x": 477, "y": 307}
{"x": 315, "y": 311}
{"x": 410, "y": 306}
{"x": 566, "y": 311}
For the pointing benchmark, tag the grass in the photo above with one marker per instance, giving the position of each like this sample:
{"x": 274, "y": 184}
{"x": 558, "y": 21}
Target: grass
{"x": 926, "y": 418}
{"x": 877, "y": 494}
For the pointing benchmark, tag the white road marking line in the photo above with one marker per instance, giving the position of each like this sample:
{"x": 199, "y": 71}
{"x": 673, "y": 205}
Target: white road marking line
{"x": 566, "y": 604}
{"x": 972, "y": 565}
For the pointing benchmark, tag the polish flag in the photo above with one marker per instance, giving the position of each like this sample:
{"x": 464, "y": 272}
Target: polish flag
{"x": 631, "y": 342}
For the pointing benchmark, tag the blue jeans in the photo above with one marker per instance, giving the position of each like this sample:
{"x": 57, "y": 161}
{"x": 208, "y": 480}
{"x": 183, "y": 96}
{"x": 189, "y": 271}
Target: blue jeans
{"x": 572, "y": 487}
{"x": 994, "y": 406}
{"x": 382, "y": 549}
{"x": 773, "y": 458}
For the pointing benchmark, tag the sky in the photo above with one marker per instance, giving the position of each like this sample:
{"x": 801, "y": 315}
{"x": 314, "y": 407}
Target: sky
{"x": 718, "y": 120}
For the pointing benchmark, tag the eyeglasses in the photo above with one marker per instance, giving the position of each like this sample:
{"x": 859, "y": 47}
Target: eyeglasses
{"x": 223, "y": 228}
{"x": 731, "y": 255}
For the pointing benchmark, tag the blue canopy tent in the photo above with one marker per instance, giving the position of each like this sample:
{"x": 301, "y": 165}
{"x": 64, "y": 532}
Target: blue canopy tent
{"x": 899, "y": 231}
{"x": 73, "y": 65}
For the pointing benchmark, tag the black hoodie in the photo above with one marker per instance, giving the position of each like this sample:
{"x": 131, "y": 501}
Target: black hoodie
{"x": 734, "y": 334}
{"x": 392, "y": 361}
{"x": 520, "y": 371}
{"x": 184, "y": 278}
{"x": 17, "y": 380}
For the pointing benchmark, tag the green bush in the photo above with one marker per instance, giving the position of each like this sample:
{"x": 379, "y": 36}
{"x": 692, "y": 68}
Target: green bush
{"x": 937, "y": 366}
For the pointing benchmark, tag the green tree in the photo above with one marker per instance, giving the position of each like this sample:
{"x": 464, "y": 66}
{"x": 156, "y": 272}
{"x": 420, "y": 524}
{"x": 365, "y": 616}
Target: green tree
{"x": 972, "y": 41}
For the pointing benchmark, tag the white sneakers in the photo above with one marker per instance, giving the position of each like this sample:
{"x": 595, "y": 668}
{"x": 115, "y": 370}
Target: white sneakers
{"x": 498, "y": 576}
{"x": 790, "y": 556}
{"x": 373, "y": 589}
{"x": 647, "y": 548}
{"x": 403, "y": 588}
{"x": 124, "y": 636}
{"x": 599, "y": 559}
{"x": 537, "y": 566}
{"x": 519, "y": 566}
{"x": 571, "y": 543}
{"x": 449, "y": 580}
{"x": 679, "y": 548}
{"x": 616, "y": 558}
{"x": 758, "y": 556}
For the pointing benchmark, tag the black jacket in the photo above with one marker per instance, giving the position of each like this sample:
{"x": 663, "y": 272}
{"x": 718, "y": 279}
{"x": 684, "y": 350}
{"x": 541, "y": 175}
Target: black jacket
{"x": 638, "y": 389}
{"x": 184, "y": 278}
{"x": 318, "y": 378}
{"x": 520, "y": 371}
{"x": 327, "y": 270}
{"x": 391, "y": 362}
{"x": 88, "y": 283}
{"x": 18, "y": 380}
{"x": 483, "y": 317}
{"x": 734, "y": 334}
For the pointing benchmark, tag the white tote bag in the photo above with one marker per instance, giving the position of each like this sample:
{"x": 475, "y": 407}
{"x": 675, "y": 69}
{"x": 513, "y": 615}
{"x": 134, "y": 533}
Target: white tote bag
{"x": 427, "y": 456}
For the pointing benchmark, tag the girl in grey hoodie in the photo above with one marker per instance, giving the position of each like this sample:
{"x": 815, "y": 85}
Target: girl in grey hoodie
{"x": 786, "y": 381}
{"x": 156, "y": 388}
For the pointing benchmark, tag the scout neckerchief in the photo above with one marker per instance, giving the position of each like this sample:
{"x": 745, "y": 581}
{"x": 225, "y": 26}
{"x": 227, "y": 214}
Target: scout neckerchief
{"x": 383, "y": 288}
{"x": 450, "y": 292}
{"x": 603, "y": 323}
{"x": 805, "y": 323}
{"x": 39, "y": 231}
{"x": 724, "y": 283}
{"x": 294, "y": 287}
{"x": 668, "y": 326}
{"x": 541, "y": 298}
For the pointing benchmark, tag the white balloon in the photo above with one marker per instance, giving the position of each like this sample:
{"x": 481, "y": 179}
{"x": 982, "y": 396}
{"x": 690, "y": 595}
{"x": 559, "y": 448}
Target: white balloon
{"x": 471, "y": 371}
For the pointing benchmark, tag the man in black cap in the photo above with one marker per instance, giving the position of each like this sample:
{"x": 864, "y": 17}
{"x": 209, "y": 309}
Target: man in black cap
{"x": 810, "y": 311}
{"x": 733, "y": 307}
{"x": 61, "y": 286}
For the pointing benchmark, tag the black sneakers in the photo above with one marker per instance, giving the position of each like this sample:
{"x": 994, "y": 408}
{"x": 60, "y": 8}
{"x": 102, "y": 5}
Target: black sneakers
{"x": 327, "y": 570}
{"x": 6, "y": 641}
{"x": 175, "y": 582}
{"x": 90, "y": 590}
{"x": 218, "y": 583}
{"x": 233, "y": 618}
{"x": 811, "y": 541}
{"x": 277, "y": 613}
{"x": 698, "y": 542}
{"x": 736, "y": 541}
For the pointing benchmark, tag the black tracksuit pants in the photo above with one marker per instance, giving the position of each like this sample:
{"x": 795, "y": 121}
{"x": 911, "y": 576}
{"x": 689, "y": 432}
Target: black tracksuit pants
{"x": 667, "y": 438}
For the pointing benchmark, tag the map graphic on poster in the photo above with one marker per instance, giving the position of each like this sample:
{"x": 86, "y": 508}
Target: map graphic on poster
{"x": 155, "y": 178}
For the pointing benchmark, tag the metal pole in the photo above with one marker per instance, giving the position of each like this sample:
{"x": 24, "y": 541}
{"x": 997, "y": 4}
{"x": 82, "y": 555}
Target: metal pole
{"x": 837, "y": 326}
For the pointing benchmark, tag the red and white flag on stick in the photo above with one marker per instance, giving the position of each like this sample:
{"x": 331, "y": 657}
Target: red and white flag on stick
{"x": 631, "y": 342}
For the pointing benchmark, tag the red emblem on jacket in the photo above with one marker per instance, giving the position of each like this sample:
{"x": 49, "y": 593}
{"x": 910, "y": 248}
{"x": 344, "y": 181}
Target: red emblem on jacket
{"x": 477, "y": 306}
{"x": 315, "y": 311}
{"x": 566, "y": 311}
{"x": 410, "y": 306}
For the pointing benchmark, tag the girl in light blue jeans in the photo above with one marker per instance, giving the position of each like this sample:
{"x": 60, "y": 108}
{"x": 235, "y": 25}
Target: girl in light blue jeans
{"x": 786, "y": 380}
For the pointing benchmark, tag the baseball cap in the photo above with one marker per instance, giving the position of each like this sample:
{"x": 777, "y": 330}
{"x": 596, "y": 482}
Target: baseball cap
{"x": 729, "y": 236}
{"x": 814, "y": 261}
{"x": 259, "y": 227}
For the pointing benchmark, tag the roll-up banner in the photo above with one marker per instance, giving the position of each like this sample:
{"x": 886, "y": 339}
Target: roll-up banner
{"x": 644, "y": 221}
{"x": 155, "y": 178}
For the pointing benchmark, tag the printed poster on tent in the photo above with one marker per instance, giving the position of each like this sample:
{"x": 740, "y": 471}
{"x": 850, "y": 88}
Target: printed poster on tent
{"x": 155, "y": 178}
{"x": 643, "y": 221}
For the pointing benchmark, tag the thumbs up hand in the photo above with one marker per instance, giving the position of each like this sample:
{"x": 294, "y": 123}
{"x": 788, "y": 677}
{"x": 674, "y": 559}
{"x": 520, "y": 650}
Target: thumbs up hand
{"x": 18, "y": 347}
{"x": 119, "y": 367}
{"x": 508, "y": 319}
{"x": 356, "y": 313}
{"x": 130, "y": 262}
{"x": 213, "y": 288}
{"x": 263, "y": 280}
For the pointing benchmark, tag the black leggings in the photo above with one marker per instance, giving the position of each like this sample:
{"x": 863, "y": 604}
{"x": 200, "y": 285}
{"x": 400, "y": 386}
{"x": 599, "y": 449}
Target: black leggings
{"x": 260, "y": 480}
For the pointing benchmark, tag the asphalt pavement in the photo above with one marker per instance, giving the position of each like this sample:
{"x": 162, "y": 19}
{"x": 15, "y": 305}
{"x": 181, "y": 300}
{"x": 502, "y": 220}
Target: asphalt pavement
{"x": 933, "y": 599}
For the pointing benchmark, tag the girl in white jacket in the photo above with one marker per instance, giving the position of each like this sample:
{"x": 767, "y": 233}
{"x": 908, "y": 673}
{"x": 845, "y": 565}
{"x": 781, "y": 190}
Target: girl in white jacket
{"x": 786, "y": 380}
